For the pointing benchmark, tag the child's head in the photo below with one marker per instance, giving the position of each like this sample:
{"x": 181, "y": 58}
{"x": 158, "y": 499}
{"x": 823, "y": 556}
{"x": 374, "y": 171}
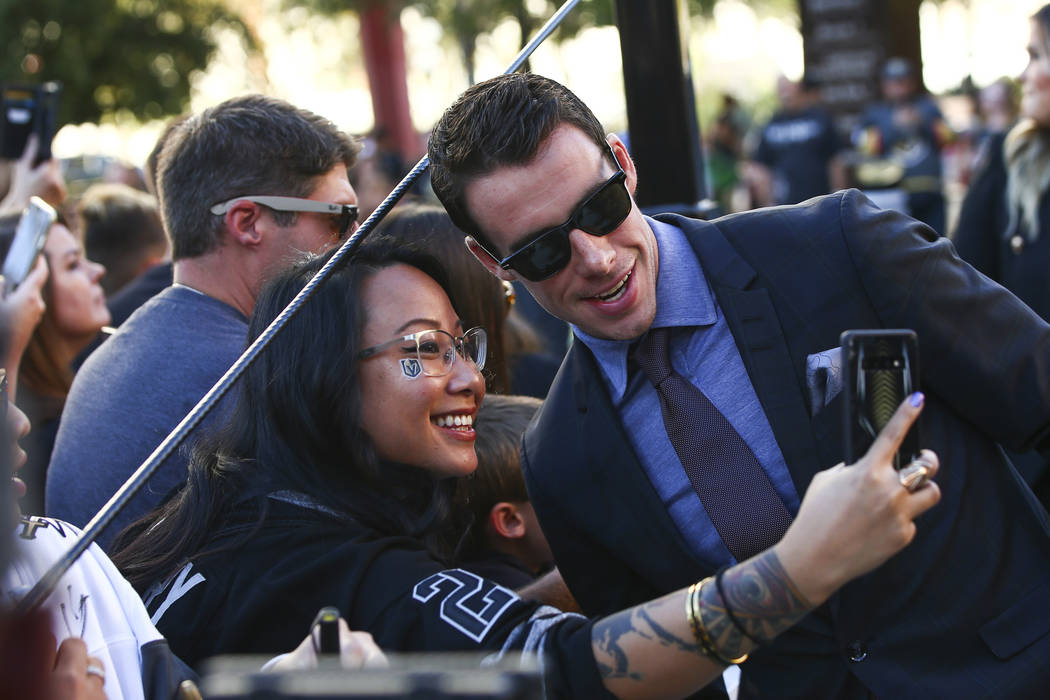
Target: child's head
{"x": 503, "y": 517}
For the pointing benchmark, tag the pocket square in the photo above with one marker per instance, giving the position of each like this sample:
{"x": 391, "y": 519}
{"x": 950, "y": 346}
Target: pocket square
{"x": 823, "y": 378}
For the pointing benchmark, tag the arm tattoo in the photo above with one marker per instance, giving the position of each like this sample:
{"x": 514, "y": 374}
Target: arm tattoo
{"x": 763, "y": 599}
{"x": 762, "y": 596}
{"x": 610, "y": 632}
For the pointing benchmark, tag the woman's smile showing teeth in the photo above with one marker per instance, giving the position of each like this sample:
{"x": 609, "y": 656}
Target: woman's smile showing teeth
{"x": 460, "y": 421}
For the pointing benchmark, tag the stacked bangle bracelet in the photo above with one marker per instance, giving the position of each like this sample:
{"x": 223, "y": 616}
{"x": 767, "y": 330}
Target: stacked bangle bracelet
{"x": 693, "y": 606}
{"x": 729, "y": 609}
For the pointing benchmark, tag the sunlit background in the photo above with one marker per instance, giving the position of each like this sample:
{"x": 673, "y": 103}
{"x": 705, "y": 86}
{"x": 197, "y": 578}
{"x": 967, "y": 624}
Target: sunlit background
{"x": 315, "y": 62}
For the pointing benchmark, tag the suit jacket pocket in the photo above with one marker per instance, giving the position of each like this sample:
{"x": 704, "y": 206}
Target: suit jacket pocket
{"x": 1019, "y": 625}
{"x": 823, "y": 378}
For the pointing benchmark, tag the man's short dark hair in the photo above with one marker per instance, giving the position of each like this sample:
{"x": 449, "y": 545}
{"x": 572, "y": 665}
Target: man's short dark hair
{"x": 152, "y": 165}
{"x": 496, "y": 123}
{"x": 499, "y": 426}
{"x": 244, "y": 146}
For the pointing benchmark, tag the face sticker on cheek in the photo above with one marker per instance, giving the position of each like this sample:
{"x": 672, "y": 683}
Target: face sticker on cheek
{"x": 411, "y": 368}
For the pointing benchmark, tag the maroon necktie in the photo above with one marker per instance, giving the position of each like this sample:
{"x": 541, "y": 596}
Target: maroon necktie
{"x": 734, "y": 488}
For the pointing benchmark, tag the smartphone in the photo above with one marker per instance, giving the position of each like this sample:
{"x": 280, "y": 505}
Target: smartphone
{"x": 327, "y": 622}
{"x": 880, "y": 369}
{"x": 25, "y": 110}
{"x": 28, "y": 241}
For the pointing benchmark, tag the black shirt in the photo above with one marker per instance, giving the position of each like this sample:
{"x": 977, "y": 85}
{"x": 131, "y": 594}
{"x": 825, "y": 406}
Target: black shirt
{"x": 261, "y": 595}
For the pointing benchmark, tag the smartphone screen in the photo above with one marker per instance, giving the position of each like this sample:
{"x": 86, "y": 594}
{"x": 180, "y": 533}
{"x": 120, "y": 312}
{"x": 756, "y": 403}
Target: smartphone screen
{"x": 28, "y": 241}
{"x": 881, "y": 369}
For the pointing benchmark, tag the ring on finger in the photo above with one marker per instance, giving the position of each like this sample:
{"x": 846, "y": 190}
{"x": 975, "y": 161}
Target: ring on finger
{"x": 915, "y": 475}
{"x": 94, "y": 669}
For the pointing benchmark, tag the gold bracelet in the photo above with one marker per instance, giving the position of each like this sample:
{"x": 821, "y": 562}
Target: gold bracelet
{"x": 693, "y": 605}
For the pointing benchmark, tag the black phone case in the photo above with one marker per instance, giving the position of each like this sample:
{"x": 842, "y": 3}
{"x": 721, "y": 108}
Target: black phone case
{"x": 327, "y": 621}
{"x": 880, "y": 369}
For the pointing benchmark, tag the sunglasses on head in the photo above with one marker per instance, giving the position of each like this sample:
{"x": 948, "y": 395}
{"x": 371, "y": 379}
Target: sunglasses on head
{"x": 550, "y": 251}
{"x": 344, "y": 216}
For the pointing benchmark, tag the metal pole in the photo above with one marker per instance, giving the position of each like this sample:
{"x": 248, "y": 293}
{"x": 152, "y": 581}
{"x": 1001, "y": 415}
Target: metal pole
{"x": 47, "y": 582}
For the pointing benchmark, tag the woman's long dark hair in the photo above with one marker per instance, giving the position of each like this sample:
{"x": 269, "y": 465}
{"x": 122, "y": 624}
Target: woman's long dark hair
{"x": 297, "y": 426}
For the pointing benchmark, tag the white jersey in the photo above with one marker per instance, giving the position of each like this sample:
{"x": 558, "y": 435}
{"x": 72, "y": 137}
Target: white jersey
{"x": 91, "y": 601}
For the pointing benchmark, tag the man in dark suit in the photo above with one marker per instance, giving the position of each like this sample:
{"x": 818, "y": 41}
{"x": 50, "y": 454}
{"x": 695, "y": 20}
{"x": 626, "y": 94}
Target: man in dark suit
{"x": 755, "y": 304}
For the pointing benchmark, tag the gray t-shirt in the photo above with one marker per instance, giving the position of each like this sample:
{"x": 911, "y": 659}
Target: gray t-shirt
{"x": 128, "y": 396}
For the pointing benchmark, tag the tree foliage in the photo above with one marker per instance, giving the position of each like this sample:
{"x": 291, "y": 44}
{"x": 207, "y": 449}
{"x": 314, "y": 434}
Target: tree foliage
{"x": 466, "y": 20}
{"x": 111, "y": 56}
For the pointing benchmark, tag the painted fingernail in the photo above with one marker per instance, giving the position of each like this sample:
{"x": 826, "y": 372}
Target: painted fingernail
{"x": 916, "y": 399}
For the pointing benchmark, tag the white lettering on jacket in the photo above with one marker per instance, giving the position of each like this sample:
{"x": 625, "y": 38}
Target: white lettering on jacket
{"x": 178, "y": 588}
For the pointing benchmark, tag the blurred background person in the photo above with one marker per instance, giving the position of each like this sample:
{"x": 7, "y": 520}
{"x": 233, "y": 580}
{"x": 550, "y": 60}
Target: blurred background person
{"x": 993, "y": 112}
{"x": 21, "y": 308}
{"x": 723, "y": 149}
{"x": 797, "y": 153}
{"x": 122, "y": 231}
{"x": 907, "y": 128}
{"x": 21, "y": 179}
{"x": 997, "y": 105}
{"x": 1004, "y": 224}
{"x": 75, "y": 313}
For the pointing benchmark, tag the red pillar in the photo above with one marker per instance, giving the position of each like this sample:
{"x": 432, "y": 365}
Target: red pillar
{"x": 383, "y": 46}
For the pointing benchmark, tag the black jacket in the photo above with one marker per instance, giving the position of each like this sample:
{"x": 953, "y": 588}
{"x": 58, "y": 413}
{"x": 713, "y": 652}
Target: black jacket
{"x": 964, "y": 610}
{"x": 980, "y": 236}
{"x": 261, "y": 596}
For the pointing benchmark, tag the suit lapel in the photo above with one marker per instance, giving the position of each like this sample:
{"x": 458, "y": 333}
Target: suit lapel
{"x": 757, "y": 331}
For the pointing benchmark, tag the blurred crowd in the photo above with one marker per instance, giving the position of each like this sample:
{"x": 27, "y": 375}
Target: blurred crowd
{"x": 911, "y": 151}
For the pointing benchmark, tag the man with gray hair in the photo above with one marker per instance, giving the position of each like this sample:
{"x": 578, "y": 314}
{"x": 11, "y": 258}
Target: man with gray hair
{"x": 246, "y": 188}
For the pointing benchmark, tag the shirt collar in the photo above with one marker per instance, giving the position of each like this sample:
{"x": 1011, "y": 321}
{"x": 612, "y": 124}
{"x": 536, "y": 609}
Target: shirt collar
{"x": 683, "y": 299}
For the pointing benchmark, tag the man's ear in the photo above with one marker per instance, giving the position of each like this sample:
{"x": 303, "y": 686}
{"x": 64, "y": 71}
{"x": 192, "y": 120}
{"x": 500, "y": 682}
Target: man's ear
{"x": 507, "y": 521}
{"x": 624, "y": 158}
{"x": 490, "y": 263}
{"x": 243, "y": 222}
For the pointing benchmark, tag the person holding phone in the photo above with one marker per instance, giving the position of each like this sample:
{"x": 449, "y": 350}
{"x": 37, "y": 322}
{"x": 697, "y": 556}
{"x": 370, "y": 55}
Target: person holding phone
{"x": 75, "y": 313}
{"x": 24, "y": 178}
{"x": 21, "y": 307}
{"x": 703, "y": 391}
{"x": 332, "y": 481}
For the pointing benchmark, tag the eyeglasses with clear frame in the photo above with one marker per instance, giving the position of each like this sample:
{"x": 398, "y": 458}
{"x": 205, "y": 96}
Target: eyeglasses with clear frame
{"x": 344, "y": 216}
{"x": 436, "y": 349}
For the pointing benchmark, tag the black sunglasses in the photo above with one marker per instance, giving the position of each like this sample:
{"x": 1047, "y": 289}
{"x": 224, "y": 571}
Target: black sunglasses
{"x": 344, "y": 216}
{"x": 550, "y": 251}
